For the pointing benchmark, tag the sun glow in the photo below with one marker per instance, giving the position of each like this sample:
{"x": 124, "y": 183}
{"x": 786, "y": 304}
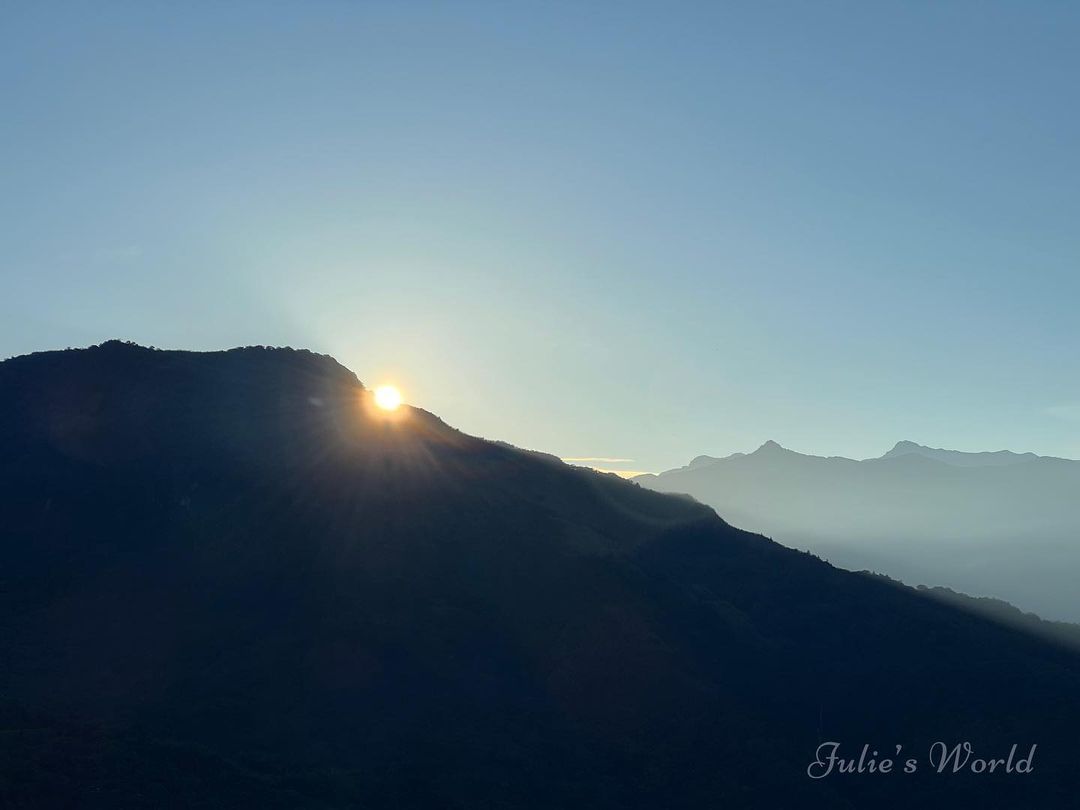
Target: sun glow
{"x": 387, "y": 397}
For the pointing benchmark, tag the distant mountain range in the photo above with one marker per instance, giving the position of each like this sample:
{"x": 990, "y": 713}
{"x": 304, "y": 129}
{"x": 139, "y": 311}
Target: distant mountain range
{"x": 998, "y": 524}
{"x": 227, "y": 581}
{"x": 999, "y": 458}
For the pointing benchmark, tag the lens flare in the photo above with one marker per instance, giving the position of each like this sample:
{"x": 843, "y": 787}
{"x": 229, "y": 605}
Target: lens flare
{"x": 387, "y": 397}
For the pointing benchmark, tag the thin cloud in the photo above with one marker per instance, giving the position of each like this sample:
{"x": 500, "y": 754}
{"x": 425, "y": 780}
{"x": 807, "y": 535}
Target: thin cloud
{"x": 623, "y": 473}
{"x": 599, "y": 463}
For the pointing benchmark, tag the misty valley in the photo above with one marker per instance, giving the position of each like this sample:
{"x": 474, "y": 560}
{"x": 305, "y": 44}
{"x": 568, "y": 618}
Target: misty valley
{"x": 998, "y": 525}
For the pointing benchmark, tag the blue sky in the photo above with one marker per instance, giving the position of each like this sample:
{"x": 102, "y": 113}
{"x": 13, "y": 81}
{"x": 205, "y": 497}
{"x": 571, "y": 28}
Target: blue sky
{"x": 633, "y": 231}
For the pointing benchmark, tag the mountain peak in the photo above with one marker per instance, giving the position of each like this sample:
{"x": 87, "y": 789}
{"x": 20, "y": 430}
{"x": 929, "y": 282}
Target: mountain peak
{"x": 959, "y": 458}
{"x": 126, "y": 355}
{"x": 770, "y": 447}
{"x": 256, "y": 405}
{"x": 906, "y": 446}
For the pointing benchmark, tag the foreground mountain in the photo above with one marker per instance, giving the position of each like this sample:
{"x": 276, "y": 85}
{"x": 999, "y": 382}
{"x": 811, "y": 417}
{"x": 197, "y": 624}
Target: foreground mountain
{"x": 227, "y": 581}
{"x": 1002, "y": 524}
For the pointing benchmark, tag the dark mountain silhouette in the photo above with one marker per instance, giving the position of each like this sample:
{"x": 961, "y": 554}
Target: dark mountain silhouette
{"x": 1002, "y": 524}
{"x": 226, "y": 582}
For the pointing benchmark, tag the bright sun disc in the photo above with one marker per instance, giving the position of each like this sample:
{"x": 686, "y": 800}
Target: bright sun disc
{"x": 387, "y": 397}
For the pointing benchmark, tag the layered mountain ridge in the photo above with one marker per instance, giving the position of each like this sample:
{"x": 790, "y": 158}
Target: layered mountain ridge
{"x": 959, "y": 458}
{"x": 998, "y": 524}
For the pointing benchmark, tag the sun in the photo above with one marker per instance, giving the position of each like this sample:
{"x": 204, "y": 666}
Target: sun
{"x": 387, "y": 397}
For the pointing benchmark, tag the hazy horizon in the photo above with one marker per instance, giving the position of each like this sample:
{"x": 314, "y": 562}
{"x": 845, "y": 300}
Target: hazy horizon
{"x": 623, "y": 466}
{"x": 981, "y": 524}
{"x": 629, "y": 234}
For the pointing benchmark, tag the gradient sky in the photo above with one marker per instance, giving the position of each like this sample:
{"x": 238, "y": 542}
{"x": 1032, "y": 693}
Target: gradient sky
{"x": 628, "y": 231}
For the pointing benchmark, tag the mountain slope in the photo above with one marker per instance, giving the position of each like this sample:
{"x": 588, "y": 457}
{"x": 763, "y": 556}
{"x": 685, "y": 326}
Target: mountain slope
{"x": 989, "y": 524}
{"x": 226, "y": 581}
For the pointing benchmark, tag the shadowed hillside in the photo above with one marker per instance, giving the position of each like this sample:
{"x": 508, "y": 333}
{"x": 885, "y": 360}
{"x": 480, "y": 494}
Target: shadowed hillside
{"x": 227, "y": 581}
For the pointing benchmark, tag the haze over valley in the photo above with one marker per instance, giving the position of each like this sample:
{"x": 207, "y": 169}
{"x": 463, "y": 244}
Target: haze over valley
{"x": 998, "y": 524}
